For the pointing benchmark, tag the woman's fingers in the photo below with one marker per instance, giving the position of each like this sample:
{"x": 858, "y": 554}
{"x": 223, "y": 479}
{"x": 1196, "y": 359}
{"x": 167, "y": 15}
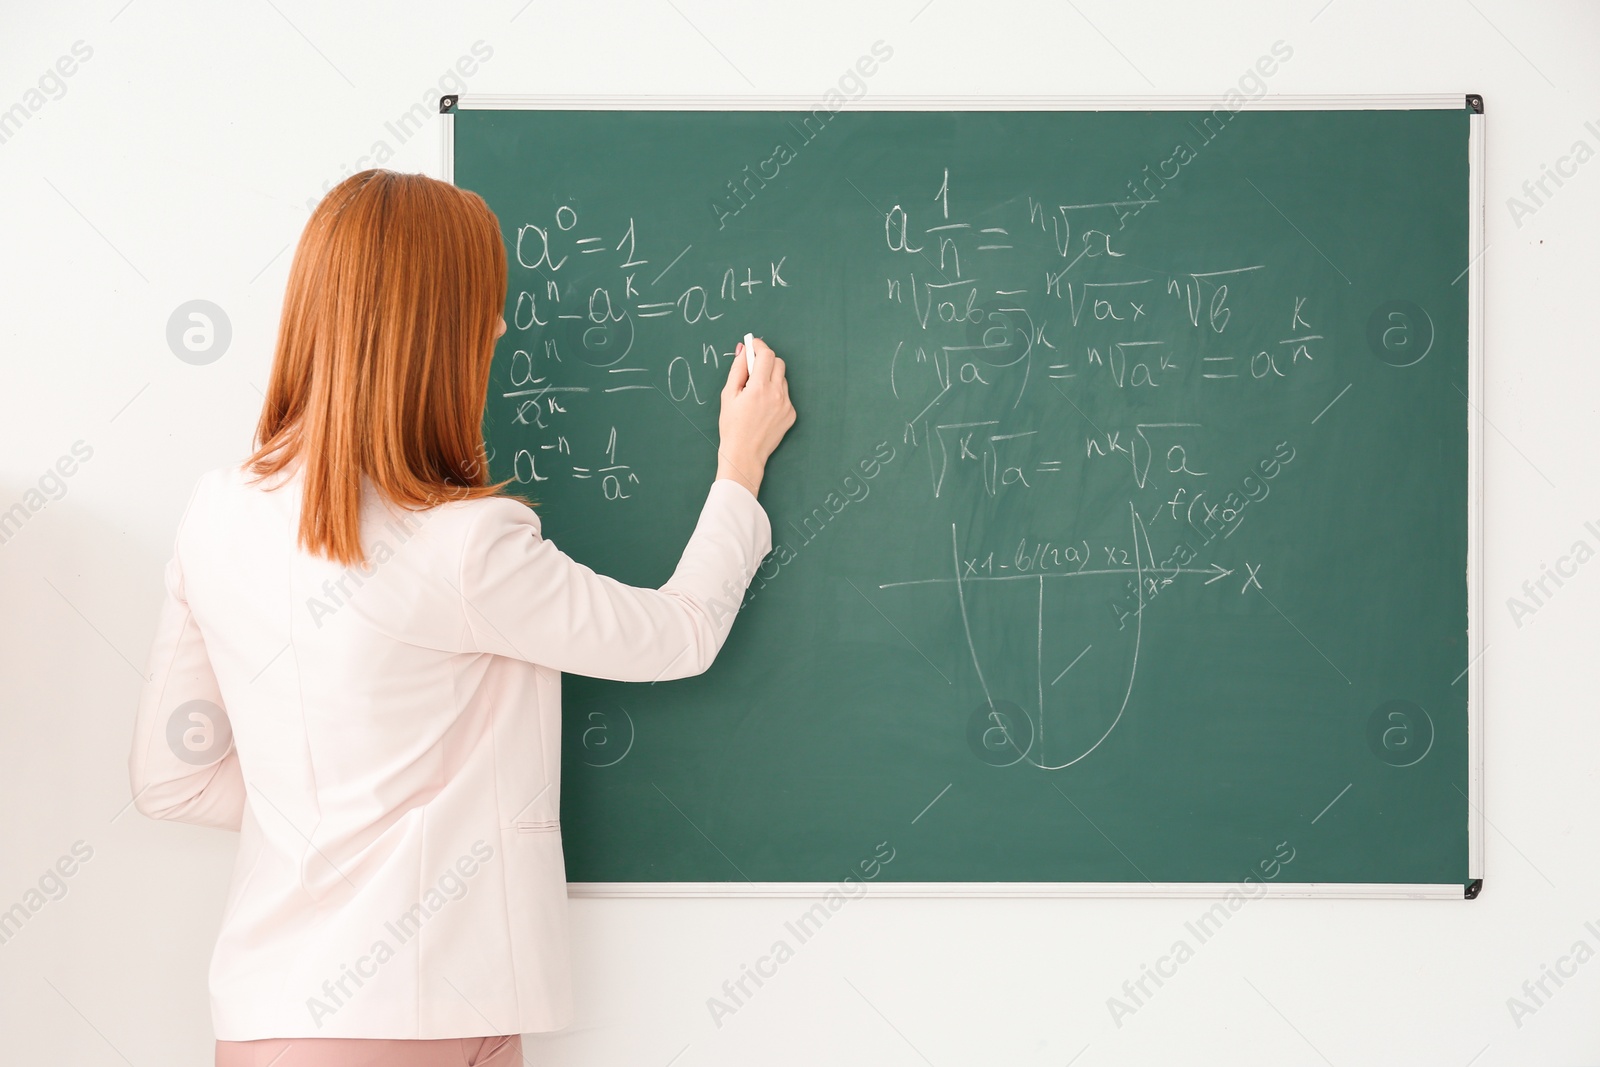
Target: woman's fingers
{"x": 768, "y": 367}
{"x": 764, "y": 360}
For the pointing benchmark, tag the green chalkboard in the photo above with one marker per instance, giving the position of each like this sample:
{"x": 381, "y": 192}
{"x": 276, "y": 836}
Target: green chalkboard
{"x": 1123, "y": 536}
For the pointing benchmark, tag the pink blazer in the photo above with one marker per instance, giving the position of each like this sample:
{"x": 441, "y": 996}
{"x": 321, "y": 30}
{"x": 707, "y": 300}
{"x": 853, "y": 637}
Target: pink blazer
{"x": 390, "y": 748}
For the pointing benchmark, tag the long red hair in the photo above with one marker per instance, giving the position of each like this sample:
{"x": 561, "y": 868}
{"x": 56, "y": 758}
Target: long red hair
{"x": 382, "y": 362}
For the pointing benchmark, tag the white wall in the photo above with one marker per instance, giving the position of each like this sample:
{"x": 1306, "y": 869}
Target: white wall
{"x": 177, "y": 165}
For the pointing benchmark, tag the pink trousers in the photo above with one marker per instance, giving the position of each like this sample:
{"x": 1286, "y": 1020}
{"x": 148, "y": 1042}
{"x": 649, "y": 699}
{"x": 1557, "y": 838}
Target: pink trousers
{"x": 363, "y": 1052}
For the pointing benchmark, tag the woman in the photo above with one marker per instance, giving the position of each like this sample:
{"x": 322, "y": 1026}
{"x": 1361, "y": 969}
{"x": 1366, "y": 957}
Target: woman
{"x": 387, "y": 632}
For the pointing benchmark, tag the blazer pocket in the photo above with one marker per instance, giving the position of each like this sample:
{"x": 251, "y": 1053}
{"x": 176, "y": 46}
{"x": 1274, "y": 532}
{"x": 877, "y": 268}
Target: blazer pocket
{"x": 537, "y": 826}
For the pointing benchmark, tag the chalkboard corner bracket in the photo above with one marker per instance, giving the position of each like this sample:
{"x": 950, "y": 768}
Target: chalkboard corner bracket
{"x": 1475, "y": 103}
{"x": 447, "y": 104}
{"x": 1473, "y": 888}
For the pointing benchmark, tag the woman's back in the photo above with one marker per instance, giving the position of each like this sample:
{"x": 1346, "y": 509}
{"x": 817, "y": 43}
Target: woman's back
{"x": 396, "y": 764}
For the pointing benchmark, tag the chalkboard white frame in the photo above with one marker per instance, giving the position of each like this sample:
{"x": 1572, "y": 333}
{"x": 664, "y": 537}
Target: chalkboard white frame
{"x": 1472, "y": 274}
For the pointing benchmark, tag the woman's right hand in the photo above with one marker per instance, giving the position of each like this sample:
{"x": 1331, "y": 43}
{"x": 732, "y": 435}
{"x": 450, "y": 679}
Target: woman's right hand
{"x": 756, "y": 413}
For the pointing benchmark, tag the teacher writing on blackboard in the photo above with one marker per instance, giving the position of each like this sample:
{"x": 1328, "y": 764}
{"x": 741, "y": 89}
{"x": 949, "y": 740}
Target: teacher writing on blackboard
{"x": 358, "y": 662}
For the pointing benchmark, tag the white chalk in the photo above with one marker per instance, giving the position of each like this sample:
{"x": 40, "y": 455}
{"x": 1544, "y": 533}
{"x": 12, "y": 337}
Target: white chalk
{"x": 750, "y": 353}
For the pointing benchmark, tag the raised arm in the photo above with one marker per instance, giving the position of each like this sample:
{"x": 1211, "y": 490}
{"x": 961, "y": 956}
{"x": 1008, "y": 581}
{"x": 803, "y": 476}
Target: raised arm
{"x": 523, "y": 597}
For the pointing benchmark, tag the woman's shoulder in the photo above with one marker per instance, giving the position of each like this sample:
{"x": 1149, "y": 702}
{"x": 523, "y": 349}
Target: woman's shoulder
{"x": 456, "y": 521}
{"x": 492, "y": 517}
{"x": 218, "y": 487}
{"x": 241, "y": 479}
{"x": 234, "y": 494}
{"x": 238, "y": 479}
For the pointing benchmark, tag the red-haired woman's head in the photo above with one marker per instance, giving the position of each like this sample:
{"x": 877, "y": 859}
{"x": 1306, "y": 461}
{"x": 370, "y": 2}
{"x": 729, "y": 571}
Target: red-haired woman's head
{"x": 382, "y": 362}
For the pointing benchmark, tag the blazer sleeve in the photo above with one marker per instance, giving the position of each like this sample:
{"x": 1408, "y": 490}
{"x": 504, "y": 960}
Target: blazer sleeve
{"x": 523, "y": 597}
{"x": 184, "y": 765}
